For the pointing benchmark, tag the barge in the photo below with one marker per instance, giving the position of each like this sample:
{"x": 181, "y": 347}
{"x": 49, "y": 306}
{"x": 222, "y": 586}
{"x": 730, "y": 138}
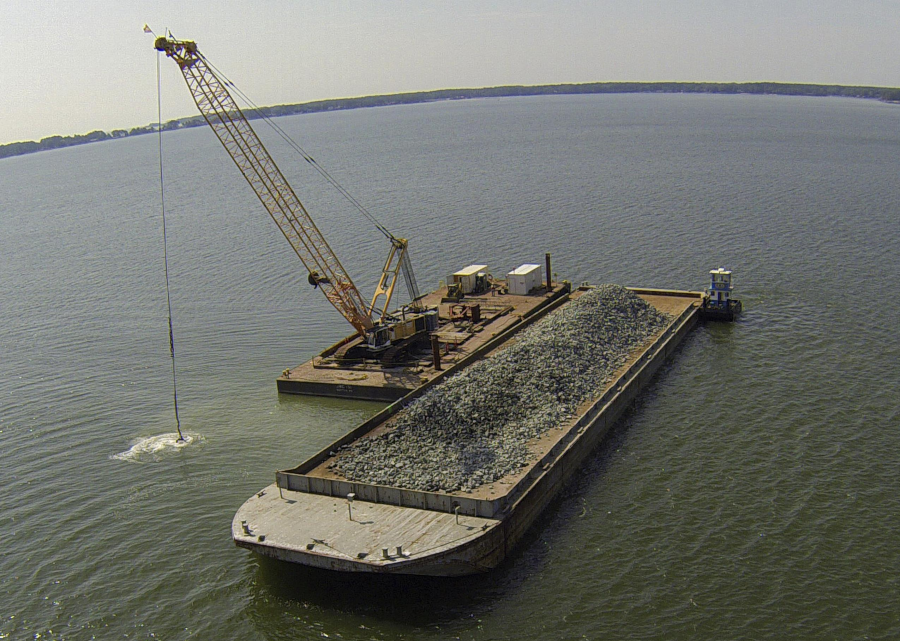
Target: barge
{"x": 313, "y": 516}
{"x": 470, "y": 326}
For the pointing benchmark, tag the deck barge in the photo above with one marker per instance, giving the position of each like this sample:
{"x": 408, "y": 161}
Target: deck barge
{"x": 306, "y": 516}
{"x": 502, "y": 315}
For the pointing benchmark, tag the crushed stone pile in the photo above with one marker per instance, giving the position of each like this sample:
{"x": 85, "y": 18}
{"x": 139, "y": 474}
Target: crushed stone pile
{"x": 474, "y": 428}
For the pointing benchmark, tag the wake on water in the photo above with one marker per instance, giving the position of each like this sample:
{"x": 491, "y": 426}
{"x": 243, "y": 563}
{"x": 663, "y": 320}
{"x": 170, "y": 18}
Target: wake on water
{"x": 156, "y": 448}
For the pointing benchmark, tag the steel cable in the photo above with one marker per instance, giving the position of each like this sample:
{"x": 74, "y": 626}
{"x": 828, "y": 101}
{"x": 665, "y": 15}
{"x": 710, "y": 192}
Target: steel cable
{"x": 162, "y": 199}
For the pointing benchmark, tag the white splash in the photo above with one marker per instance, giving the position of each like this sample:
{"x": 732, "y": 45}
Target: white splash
{"x": 155, "y": 448}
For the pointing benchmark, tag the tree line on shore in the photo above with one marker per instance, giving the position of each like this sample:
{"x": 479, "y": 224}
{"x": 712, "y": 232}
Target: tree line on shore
{"x": 886, "y": 94}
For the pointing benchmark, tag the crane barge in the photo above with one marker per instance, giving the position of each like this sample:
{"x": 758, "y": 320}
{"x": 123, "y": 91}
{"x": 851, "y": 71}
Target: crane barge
{"x": 376, "y": 328}
{"x": 384, "y": 359}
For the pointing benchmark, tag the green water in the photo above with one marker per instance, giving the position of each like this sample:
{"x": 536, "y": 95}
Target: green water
{"x": 750, "y": 494}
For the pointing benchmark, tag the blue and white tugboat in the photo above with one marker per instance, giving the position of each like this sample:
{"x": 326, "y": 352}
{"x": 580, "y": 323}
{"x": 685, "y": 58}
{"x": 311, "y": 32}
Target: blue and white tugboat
{"x": 717, "y": 302}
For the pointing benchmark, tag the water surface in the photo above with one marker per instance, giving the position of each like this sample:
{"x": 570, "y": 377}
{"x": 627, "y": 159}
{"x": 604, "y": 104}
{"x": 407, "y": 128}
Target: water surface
{"x": 751, "y": 493}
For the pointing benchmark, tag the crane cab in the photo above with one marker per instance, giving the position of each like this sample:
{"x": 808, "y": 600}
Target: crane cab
{"x": 379, "y": 337}
{"x": 408, "y": 326}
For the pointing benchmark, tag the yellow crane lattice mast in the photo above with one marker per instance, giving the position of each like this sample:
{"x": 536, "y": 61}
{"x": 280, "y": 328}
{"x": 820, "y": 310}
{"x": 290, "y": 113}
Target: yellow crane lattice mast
{"x": 246, "y": 149}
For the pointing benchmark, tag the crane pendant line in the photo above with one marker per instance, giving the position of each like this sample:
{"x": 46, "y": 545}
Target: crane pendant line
{"x": 399, "y": 246}
{"x": 249, "y": 154}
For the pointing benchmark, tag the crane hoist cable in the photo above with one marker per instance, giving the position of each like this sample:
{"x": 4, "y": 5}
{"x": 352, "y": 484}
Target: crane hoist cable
{"x": 162, "y": 200}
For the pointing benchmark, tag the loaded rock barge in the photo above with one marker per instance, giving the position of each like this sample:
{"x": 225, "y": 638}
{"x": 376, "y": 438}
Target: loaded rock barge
{"x": 446, "y": 480}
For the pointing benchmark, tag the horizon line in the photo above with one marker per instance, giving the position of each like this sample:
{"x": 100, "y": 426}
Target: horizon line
{"x": 883, "y": 93}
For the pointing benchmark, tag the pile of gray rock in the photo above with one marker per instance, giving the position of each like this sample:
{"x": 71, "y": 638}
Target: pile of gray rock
{"x": 474, "y": 428}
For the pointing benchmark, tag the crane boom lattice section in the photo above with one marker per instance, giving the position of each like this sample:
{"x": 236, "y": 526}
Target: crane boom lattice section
{"x": 246, "y": 149}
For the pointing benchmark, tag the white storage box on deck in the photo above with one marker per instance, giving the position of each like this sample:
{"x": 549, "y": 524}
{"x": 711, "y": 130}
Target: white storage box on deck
{"x": 523, "y": 279}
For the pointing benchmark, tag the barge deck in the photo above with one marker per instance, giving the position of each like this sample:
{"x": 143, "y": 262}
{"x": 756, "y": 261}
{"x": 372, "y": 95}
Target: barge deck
{"x": 502, "y": 315}
{"x": 313, "y": 517}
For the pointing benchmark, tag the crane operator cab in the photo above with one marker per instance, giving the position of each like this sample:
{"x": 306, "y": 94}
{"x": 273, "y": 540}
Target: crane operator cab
{"x": 379, "y": 337}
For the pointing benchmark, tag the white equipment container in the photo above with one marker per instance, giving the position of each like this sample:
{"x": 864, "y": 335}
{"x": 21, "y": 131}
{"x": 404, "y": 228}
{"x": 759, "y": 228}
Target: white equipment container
{"x": 523, "y": 279}
{"x": 466, "y": 277}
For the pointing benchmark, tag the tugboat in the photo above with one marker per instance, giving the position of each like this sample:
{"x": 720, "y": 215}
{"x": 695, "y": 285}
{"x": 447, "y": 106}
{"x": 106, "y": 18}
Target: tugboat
{"x": 718, "y": 305}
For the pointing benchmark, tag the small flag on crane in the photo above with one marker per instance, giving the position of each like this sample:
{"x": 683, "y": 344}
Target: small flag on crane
{"x": 147, "y": 29}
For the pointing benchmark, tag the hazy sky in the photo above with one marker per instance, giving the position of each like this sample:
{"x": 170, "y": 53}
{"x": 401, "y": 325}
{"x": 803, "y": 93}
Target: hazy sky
{"x": 72, "y": 67}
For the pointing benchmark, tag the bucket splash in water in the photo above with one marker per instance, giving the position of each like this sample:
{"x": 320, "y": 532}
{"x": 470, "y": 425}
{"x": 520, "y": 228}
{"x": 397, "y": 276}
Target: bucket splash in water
{"x": 155, "y": 448}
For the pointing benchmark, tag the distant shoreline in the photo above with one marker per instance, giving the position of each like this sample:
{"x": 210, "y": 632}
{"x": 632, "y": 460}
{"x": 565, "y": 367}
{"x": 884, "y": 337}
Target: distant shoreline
{"x": 884, "y": 94}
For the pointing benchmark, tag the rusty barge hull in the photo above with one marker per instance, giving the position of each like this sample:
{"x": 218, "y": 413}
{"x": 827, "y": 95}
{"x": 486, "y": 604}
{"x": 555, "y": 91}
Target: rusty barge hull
{"x": 305, "y": 517}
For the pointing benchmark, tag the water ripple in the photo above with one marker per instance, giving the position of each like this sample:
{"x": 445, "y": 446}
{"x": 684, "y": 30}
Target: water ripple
{"x": 159, "y": 447}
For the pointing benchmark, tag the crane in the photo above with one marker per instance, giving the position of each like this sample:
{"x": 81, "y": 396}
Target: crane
{"x": 226, "y": 119}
